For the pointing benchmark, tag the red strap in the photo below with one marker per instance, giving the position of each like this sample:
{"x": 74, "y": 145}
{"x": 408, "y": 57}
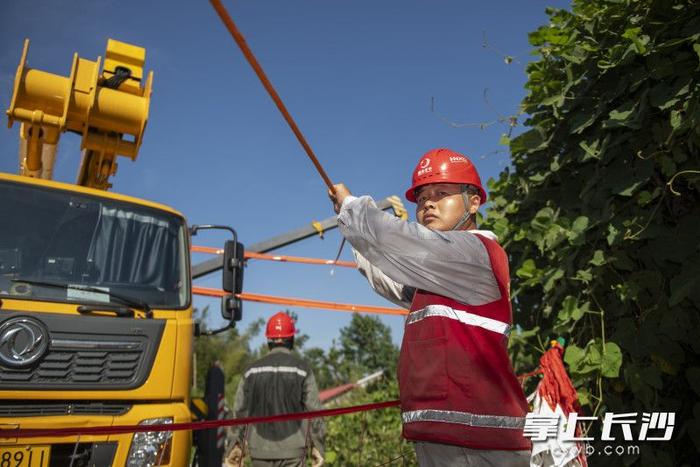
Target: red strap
{"x": 118, "y": 429}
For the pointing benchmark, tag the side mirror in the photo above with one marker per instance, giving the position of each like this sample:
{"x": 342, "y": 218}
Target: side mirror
{"x": 232, "y": 271}
{"x": 231, "y": 306}
{"x": 232, "y": 277}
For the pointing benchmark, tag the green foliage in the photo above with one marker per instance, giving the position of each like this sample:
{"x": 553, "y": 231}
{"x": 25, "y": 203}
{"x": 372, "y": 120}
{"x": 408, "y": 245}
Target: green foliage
{"x": 365, "y": 344}
{"x": 364, "y": 347}
{"x": 369, "y": 438}
{"x": 230, "y": 349}
{"x": 599, "y": 211}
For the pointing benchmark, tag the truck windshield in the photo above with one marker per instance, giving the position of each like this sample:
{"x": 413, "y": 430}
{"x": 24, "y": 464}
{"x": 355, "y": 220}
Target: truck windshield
{"x": 94, "y": 246}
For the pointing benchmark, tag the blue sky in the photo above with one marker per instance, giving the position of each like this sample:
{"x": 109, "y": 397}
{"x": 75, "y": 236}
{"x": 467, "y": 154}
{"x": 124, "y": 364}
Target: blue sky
{"x": 359, "y": 78}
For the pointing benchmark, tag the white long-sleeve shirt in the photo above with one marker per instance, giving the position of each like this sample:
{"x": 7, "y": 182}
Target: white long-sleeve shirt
{"x": 398, "y": 256}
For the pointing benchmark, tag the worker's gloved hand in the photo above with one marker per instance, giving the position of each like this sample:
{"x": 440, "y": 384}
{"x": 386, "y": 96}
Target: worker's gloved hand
{"x": 316, "y": 458}
{"x": 337, "y": 195}
{"x": 235, "y": 457}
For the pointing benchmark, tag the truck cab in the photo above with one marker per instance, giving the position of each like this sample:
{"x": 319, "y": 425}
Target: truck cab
{"x": 96, "y": 319}
{"x": 95, "y": 324}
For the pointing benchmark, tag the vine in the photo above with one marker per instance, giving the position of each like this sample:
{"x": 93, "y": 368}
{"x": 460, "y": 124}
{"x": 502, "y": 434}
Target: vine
{"x": 583, "y": 211}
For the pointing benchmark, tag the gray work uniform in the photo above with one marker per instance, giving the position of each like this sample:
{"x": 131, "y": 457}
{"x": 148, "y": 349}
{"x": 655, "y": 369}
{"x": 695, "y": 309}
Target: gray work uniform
{"x": 398, "y": 257}
{"x": 279, "y": 383}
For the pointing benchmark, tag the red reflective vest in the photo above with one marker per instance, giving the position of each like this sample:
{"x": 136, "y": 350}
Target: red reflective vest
{"x": 456, "y": 381}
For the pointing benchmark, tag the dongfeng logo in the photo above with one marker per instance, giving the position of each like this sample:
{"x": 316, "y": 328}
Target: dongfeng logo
{"x": 23, "y": 341}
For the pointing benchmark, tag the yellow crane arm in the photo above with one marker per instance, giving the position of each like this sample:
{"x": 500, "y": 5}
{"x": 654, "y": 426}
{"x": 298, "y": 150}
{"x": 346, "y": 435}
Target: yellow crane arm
{"x": 108, "y": 109}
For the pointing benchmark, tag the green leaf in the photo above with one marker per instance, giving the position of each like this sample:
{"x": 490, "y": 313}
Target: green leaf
{"x": 527, "y": 270}
{"x": 573, "y": 355}
{"x": 538, "y": 177}
{"x": 580, "y": 311}
{"x": 595, "y": 358}
{"x": 552, "y": 279}
{"x": 504, "y": 140}
{"x": 676, "y": 119}
{"x": 613, "y": 233}
{"x": 639, "y": 41}
{"x": 696, "y": 48}
{"x": 612, "y": 360}
{"x": 581, "y": 120}
{"x": 568, "y": 306}
{"x": 623, "y": 112}
{"x": 556, "y": 100}
{"x": 623, "y": 116}
{"x": 584, "y": 275}
{"x": 580, "y": 224}
{"x": 542, "y": 219}
{"x": 527, "y": 142}
{"x": 598, "y": 258}
{"x": 643, "y": 198}
{"x": 630, "y": 189}
{"x": 591, "y": 151}
{"x": 584, "y": 396}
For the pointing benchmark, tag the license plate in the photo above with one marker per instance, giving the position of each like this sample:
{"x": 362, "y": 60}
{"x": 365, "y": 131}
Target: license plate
{"x": 24, "y": 456}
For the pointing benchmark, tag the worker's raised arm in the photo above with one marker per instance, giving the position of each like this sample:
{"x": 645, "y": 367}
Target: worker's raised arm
{"x": 384, "y": 285}
{"x": 452, "y": 263}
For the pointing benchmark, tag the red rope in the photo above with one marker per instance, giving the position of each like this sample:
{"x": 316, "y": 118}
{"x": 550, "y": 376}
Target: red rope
{"x": 525, "y": 376}
{"x": 118, "y": 429}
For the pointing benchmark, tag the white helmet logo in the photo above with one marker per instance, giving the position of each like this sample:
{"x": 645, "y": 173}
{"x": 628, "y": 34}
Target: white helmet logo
{"x": 424, "y": 163}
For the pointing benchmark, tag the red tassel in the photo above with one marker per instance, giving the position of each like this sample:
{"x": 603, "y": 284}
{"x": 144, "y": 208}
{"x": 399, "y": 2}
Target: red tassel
{"x": 556, "y": 387}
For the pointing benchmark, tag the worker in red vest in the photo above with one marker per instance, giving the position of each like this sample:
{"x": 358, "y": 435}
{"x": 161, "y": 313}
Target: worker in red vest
{"x": 460, "y": 400}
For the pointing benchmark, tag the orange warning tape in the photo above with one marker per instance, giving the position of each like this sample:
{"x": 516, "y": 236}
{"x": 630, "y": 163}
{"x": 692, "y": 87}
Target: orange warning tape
{"x": 281, "y": 258}
{"x": 302, "y": 302}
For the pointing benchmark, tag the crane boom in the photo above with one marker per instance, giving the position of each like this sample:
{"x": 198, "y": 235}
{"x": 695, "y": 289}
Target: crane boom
{"x": 108, "y": 108}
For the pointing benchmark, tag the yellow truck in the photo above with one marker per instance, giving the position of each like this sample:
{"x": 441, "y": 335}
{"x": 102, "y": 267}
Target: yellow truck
{"x": 96, "y": 319}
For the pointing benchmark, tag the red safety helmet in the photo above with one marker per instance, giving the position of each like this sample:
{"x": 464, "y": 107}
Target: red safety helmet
{"x": 444, "y": 166}
{"x": 279, "y": 326}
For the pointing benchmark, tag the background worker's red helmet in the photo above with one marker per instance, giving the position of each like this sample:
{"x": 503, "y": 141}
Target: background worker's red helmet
{"x": 280, "y": 326}
{"x": 444, "y": 166}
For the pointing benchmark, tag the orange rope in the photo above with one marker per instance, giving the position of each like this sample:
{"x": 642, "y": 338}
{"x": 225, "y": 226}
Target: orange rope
{"x": 240, "y": 40}
{"x": 301, "y": 302}
{"x": 281, "y": 258}
{"x": 208, "y": 249}
{"x": 299, "y": 259}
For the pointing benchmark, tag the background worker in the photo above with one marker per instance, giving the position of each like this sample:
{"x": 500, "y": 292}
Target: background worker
{"x": 460, "y": 400}
{"x": 278, "y": 383}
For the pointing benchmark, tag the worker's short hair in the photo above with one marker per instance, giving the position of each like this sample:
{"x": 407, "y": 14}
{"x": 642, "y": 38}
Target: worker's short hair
{"x": 287, "y": 342}
{"x": 472, "y": 190}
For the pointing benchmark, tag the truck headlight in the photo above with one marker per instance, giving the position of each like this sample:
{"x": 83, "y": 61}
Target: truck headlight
{"x": 151, "y": 448}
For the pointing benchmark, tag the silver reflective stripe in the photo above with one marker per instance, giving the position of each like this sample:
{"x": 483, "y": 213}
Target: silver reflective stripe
{"x": 275, "y": 369}
{"x": 463, "y": 418}
{"x": 458, "y": 315}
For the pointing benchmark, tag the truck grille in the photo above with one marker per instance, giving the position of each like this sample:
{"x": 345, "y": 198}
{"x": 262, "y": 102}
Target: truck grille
{"x": 64, "y": 366}
{"x": 42, "y": 408}
{"x": 88, "y": 352}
